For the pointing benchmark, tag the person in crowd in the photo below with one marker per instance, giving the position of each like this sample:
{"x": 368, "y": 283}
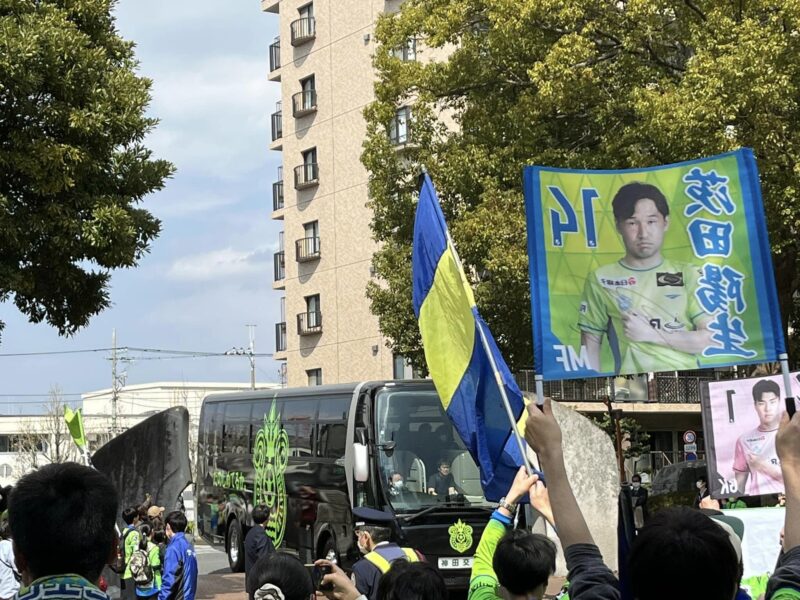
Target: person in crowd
{"x": 279, "y": 576}
{"x": 150, "y": 589}
{"x": 396, "y": 484}
{"x": 442, "y": 483}
{"x": 734, "y": 502}
{"x": 373, "y": 532}
{"x": 412, "y": 581}
{"x": 131, "y": 540}
{"x": 256, "y": 542}
{"x": 702, "y": 491}
{"x": 179, "y": 580}
{"x": 155, "y": 512}
{"x": 781, "y": 500}
{"x": 79, "y": 504}
{"x": 639, "y": 501}
{"x": 512, "y": 563}
{"x": 9, "y": 576}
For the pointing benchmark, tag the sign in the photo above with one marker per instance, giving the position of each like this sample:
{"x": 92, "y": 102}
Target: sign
{"x": 689, "y": 437}
{"x": 691, "y": 456}
{"x": 690, "y": 447}
{"x": 740, "y": 421}
{"x": 646, "y": 270}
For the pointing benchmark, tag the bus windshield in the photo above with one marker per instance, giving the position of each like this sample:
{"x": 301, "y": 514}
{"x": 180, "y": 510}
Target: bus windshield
{"x": 423, "y": 461}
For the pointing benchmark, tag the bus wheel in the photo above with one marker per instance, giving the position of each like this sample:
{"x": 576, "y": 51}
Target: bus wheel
{"x": 235, "y": 546}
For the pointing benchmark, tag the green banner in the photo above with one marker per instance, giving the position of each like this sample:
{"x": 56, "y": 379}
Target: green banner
{"x": 74, "y": 420}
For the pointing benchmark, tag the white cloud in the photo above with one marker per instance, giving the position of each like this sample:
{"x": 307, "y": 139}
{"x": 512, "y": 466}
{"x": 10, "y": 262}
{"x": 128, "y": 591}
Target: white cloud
{"x": 188, "y": 205}
{"x": 225, "y": 263}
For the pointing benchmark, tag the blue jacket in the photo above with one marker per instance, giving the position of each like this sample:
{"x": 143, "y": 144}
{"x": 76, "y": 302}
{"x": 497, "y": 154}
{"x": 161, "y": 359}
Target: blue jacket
{"x": 179, "y": 580}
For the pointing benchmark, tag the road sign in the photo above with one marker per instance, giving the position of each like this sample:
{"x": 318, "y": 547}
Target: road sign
{"x": 690, "y": 447}
{"x": 689, "y": 437}
{"x": 691, "y": 456}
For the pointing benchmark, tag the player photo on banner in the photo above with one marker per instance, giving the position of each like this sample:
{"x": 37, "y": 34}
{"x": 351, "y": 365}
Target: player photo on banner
{"x": 740, "y": 421}
{"x": 659, "y": 269}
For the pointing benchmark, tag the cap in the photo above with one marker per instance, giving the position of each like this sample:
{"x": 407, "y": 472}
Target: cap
{"x": 734, "y": 527}
{"x": 371, "y": 516}
{"x": 155, "y": 511}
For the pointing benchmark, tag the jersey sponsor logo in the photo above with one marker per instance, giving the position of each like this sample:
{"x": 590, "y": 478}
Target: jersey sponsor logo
{"x": 669, "y": 279}
{"x": 615, "y": 283}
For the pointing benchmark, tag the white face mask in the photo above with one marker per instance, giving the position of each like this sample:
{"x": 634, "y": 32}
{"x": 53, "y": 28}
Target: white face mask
{"x": 636, "y": 485}
{"x": 699, "y": 485}
{"x": 398, "y": 484}
{"x": 361, "y": 548}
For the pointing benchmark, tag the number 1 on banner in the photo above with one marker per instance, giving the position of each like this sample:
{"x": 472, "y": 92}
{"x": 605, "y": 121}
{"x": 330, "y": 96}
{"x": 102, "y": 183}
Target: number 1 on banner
{"x": 568, "y": 221}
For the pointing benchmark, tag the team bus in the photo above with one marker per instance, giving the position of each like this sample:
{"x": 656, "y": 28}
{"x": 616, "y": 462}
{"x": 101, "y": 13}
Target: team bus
{"x": 312, "y": 454}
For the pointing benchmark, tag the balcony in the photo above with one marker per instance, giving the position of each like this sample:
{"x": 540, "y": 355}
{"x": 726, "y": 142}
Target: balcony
{"x": 280, "y": 337}
{"x": 303, "y": 30}
{"x": 279, "y": 266}
{"x": 306, "y": 176}
{"x": 277, "y": 195}
{"x": 277, "y": 122}
{"x": 275, "y": 55}
{"x": 304, "y": 103}
{"x": 309, "y": 323}
{"x": 307, "y": 249}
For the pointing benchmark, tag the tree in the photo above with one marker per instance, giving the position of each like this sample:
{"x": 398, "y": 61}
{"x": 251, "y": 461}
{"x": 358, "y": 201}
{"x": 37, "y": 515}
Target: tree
{"x": 575, "y": 84}
{"x": 47, "y": 439}
{"x": 73, "y": 166}
{"x": 634, "y": 438}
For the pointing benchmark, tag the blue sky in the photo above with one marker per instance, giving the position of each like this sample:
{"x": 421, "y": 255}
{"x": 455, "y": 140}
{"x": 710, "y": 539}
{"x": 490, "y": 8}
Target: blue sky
{"x": 210, "y": 272}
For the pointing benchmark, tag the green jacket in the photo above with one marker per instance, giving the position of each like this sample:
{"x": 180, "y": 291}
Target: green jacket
{"x": 483, "y": 583}
{"x": 131, "y": 545}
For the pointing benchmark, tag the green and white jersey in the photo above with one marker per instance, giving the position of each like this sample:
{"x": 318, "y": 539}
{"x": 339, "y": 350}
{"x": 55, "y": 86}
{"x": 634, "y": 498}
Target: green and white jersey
{"x": 664, "y": 294}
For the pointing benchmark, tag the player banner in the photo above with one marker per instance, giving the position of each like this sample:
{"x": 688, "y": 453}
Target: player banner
{"x": 646, "y": 270}
{"x": 740, "y": 421}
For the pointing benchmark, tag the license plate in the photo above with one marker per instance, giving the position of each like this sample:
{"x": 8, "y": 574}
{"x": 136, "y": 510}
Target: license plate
{"x": 458, "y": 562}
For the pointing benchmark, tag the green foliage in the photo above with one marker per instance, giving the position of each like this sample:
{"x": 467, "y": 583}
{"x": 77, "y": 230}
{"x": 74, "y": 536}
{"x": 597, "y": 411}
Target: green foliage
{"x": 576, "y": 84}
{"x": 634, "y": 438}
{"x": 73, "y": 165}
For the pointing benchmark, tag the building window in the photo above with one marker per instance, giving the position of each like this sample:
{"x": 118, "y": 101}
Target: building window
{"x": 310, "y": 321}
{"x": 407, "y": 52}
{"x": 308, "y": 246}
{"x": 6, "y": 471}
{"x": 398, "y": 127}
{"x": 307, "y": 174}
{"x": 307, "y": 11}
{"x": 401, "y": 369}
{"x": 304, "y": 28}
{"x": 314, "y": 377}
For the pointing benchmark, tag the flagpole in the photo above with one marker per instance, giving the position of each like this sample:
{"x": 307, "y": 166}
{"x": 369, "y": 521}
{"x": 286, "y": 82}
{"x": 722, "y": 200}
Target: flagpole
{"x": 498, "y": 378}
{"x": 787, "y": 383}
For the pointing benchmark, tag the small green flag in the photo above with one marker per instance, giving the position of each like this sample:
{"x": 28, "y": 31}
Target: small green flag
{"x": 74, "y": 421}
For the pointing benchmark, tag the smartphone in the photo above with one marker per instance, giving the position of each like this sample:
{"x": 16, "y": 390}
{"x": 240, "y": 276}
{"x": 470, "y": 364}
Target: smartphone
{"x": 317, "y": 573}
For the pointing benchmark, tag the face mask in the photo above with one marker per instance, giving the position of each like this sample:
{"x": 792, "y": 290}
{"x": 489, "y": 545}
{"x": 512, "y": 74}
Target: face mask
{"x": 699, "y": 485}
{"x": 636, "y": 485}
{"x": 361, "y": 548}
{"x": 398, "y": 484}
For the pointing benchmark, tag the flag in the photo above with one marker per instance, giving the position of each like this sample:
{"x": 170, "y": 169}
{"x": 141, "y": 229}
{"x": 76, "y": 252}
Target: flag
{"x": 457, "y": 359}
{"x": 74, "y": 420}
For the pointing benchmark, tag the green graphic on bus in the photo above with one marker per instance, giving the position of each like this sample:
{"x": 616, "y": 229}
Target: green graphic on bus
{"x": 460, "y": 536}
{"x": 270, "y": 457}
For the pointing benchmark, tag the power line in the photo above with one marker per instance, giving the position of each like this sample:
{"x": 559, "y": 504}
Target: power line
{"x": 176, "y": 353}
{"x": 53, "y": 352}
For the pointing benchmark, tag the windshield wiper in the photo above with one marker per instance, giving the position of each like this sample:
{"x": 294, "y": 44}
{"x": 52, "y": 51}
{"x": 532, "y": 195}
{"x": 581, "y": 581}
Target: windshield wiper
{"x": 435, "y": 507}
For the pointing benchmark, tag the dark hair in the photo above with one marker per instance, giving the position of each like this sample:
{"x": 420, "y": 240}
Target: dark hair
{"x": 378, "y": 533}
{"x": 281, "y": 570}
{"x": 636, "y": 477}
{"x": 77, "y": 502}
{"x": 523, "y": 561}
{"x": 442, "y": 461}
{"x": 260, "y": 514}
{"x": 177, "y": 521}
{"x": 679, "y": 545}
{"x": 129, "y": 515}
{"x": 702, "y": 478}
{"x": 144, "y": 535}
{"x": 159, "y": 536}
{"x": 624, "y": 202}
{"x": 765, "y": 386}
{"x": 412, "y": 581}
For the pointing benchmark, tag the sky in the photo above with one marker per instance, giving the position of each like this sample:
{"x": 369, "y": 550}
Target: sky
{"x": 209, "y": 274}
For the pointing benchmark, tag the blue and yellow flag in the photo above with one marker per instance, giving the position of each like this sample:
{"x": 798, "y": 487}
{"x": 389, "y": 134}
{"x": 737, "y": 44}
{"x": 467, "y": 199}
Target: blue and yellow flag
{"x": 458, "y": 362}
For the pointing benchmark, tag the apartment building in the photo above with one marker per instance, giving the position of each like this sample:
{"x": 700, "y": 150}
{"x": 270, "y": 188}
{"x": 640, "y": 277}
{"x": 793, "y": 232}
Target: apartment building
{"x": 323, "y": 62}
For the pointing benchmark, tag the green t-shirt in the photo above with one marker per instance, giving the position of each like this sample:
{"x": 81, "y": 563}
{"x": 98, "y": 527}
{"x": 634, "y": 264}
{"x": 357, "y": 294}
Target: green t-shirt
{"x": 483, "y": 581}
{"x": 131, "y": 545}
{"x": 665, "y": 295}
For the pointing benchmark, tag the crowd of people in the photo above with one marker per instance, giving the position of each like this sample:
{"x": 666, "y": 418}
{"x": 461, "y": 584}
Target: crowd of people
{"x": 61, "y": 532}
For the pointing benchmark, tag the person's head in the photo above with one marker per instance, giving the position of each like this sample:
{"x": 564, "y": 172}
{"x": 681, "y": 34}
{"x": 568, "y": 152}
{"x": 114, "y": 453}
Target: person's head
{"x": 5, "y": 530}
{"x": 282, "y": 571}
{"x": 781, "y": 500}
{"x": 701, "y": 482}
{"x": 175, "y": 523}
{"x": 159, "y": 535}
{"x": 680, "y": 545}
{"x": 767, "y": 402}
{"x": 370, "y": 536}
{"x": 77, "y": 502}
{"x": 155, "y": 512}
{"x": 523, "y": 563}
{"x": 636, "y": 482}
{"x": 145, "y": 534}
{"x": 396, "y": 479}
{"x": 412, "y": 581}
{"x": 130, "y": 515}
{"x": 444, "y": 466}
{"x": 260, "y": 514}
{"x": 642, "y": 216}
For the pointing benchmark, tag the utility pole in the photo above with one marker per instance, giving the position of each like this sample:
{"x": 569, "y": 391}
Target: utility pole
{"x": 251, "y": 332}
{"x": 114, "y": 382}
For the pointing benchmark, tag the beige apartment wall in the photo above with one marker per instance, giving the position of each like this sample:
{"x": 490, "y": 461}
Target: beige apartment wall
{"x": 340, "y": 58}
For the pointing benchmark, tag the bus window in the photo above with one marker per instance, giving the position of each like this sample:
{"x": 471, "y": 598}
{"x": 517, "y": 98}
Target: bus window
{"x": 423, "y": 435}
{"x": 298, "y": 419}
{"x": 334, "y": 408}
{"x": 331, "y": 440}
{"x": 216, "y": 415}
{"x": 236, "y": 438}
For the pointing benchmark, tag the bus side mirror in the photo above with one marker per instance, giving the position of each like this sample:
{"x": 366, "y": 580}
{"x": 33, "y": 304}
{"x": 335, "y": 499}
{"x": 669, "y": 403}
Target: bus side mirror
{"x": 360, "y": 462}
